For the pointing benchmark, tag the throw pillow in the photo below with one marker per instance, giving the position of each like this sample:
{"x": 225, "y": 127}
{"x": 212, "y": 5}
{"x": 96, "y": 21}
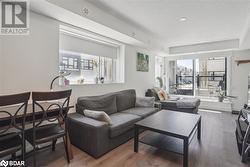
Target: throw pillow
{"x": 165, "y": 94}
{"x": 98, "y": 115}
{"x": 161, "y": 95}
{"x": 145, "y": 101}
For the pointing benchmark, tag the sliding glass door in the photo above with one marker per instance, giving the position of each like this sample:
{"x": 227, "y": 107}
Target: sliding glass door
{"x": 210, "y": 76}
{"x": 181, "y": 79}
{"x": 199, "y": 77}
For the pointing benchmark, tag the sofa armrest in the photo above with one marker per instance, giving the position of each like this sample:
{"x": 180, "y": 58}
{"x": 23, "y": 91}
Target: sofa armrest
{"x": 79, "y": 109}
{"x": 157, "y": 105}
{"x": 86, "y": 133}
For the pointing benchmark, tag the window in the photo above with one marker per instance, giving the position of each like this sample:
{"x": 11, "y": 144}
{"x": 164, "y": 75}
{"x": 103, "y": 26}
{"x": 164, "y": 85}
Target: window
{"x": 90, "y": 61}
{"x": 87, "y": 64}
{"x": 69, "y": 63}
{"x": 159, "y": 72}
{"x": 200, "y": 77}
{"x": 210, "y": 75}
{"x": 181, "y": 77}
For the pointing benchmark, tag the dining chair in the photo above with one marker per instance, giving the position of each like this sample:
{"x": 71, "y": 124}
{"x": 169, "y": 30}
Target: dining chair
{"x": 243, "y": 133}
{"x": 49, "y": 128}
{"x": 13, "y": 110}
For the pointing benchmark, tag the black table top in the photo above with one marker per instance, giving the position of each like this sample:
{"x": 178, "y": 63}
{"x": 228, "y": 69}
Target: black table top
{"x": 52, "y": 112}
{"x": 174, "y": 123}
{"x": 12, "y": 109}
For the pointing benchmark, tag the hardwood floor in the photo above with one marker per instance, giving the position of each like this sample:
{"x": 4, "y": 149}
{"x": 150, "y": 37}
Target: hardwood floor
{"x": 216, "y": 149}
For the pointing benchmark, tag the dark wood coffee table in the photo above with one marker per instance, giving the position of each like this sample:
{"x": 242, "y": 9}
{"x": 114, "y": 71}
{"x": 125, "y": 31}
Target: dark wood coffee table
{"x": 169, "y": 130}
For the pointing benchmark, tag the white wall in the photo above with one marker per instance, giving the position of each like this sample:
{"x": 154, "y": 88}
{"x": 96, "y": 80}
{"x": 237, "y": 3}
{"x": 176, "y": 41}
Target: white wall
{"x": 140, "y": 81}
{"x": 245, "y": 35}
{"x": 1, "y": 66}
{"x": 245, "y": 41}
{"x": 239, "y": 78}
{"x": 32, "y": 61}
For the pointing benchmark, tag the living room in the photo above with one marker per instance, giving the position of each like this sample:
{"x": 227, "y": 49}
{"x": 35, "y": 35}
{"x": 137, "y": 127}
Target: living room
{"x": 191, "y": 57}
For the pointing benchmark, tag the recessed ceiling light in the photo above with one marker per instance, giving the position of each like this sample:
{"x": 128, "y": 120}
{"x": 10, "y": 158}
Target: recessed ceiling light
{"x": 183, "y": 19}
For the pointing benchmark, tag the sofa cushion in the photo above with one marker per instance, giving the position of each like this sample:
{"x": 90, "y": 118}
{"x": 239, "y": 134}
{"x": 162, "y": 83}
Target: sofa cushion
{"x": 141, "y": 111}
{"x": 145, "y": 101}
{"x": 181, "y": 103}
{"x": 122, "y": 122}
{"x": 188, "y": 103}
{"x": 125, "y": 99}
{"x": 106, "y": 103}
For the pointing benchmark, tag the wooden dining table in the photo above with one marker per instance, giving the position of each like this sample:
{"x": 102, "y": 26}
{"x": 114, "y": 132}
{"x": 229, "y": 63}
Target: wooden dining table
{"x": 51, "y": 113}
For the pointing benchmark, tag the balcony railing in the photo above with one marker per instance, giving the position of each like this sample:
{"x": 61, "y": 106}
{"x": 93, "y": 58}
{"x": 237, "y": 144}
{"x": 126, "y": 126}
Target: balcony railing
{"x": 184, "y": 84}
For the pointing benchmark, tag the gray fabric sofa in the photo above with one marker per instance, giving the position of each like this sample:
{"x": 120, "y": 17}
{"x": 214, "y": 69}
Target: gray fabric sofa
{"x": 189, "y": 105}
{"x": 96, "y": 137}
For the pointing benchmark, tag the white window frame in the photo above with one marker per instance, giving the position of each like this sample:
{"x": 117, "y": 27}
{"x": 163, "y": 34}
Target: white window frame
{"x": 228, "y": 73}
{"x": 119, "y": 70}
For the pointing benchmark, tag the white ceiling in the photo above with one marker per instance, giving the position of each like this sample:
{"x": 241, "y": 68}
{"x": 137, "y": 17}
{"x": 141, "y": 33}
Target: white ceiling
{"x": 208, "y": 20}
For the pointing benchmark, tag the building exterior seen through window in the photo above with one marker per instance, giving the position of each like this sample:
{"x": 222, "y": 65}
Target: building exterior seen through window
{"x": 87, "y": 69}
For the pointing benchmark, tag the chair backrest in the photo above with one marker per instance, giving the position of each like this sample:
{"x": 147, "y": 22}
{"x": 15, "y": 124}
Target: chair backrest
{"x": 46, "y": 102}
{"x": 246, "y": 106}
{"x": 243, "y": 117}
{"x": 13, "y": 110}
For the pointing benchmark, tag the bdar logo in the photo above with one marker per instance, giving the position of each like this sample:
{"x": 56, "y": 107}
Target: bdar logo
{"x": 4, "y": 163}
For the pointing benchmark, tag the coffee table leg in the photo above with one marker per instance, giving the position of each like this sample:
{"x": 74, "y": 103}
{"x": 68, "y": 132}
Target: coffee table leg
{"x": 136, "y": 139}
{"x": 199, "y": 130}
{"x": 185, "y": 153}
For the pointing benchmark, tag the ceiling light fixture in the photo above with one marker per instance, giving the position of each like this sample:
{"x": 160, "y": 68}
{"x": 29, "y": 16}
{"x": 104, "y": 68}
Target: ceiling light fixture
{"x": 85, "y": 11}
{"x": 183, "y": 19}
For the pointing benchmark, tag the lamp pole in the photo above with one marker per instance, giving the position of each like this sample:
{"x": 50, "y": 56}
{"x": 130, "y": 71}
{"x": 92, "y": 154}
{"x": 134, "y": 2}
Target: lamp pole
{"x": 64, "y": 74}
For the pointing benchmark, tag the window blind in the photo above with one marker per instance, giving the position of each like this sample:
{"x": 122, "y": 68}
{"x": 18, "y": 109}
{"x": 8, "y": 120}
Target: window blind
{"x": 69, "y": 42}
